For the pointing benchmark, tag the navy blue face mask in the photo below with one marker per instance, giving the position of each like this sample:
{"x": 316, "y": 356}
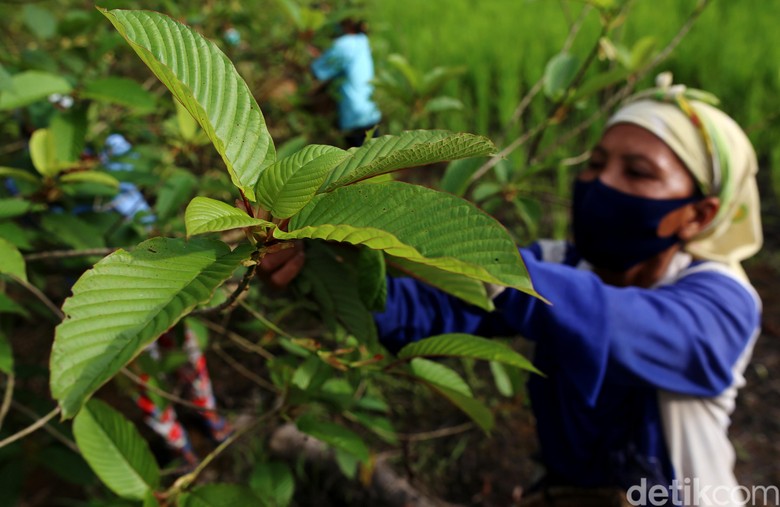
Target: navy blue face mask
{"x": 616, "y": 231}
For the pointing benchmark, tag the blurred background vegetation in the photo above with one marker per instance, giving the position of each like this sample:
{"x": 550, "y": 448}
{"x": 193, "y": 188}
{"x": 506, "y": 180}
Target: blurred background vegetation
{"x": 493, "y": 67}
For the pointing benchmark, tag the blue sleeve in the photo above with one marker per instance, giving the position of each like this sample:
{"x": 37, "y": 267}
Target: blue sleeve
{"x": 330, "y": 63}
{"x": 685, "y": 337}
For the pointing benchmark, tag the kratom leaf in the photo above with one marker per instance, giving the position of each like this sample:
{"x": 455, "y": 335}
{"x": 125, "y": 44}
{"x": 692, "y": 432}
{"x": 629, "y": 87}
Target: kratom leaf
{"x": 43, "y": 152}
{"x": 19, "y": 174}
{"x": 440, "y": 375}
{"x": 417, "y": 224}
{"x": 32, "y": 86}
{"x": 558, "y": 74}
{"x": 98, "y": 177}
{"x": 335, "y": 435}
{"x": 6, "y": 355}
{"x": 290, "y": 183}
{"x": 273, "y": 482}
{"x": 412, "y": 148}
{"x": 10, "y": 208}
{"x": 115, "y": 451}
{"x": 204, "y": 214}
{"x": 11, "y": 261}
{"x": 220, "y": 495}
{"x": 68, "y": 131}
{"x": 125, "y": 302}
{"x": 122, "y": 91}
{"x": 465, "y": 345}
{"x": 475, "y": 409}
{"x": 372, "y": 282}
{"x": 469, "y": 290}
{"x": 207, "y": 84}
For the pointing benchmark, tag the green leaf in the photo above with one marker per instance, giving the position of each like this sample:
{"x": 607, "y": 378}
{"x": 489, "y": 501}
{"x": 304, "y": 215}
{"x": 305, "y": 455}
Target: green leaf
{"x": 457, "y": 176}
{"x": 378, "y": 424}
{"x": 43, "y": 152}
{"x": 97, "y": 177}
{"x": 372, "y": 282}
{"x": 290, "y": 183}
{"x": 125, "y": 302}
{"x": 440, "y": 375}
{"x": 402, "y": 65}
{"x": 6, "y": 355}
{"x": 273, "y": 482}
{"x": 6, "y": 83}
{"x": 32, "y": 86}
{"x": 207, "y": 84}
{"x": 10, "y": 208}
{"x": 443, "y": 104}
{"x": 73, "y": 231}
{"x": 464, "y": 345}
{"x": 469, "y": 290}
{"x": 642, "y": 52}
{"x": 41, "y": 22}
{"x": 558, "y": 74}
{"x": 8, "y": 305}
{"x": 599, "y": 82}
{"x": 19, "y": 174}
{"x": 121, "y": 91}
{"x": 220, "y": 495}
{"x": 177, "y": 188}
{"x": 412, "y": 148}
{"x": 22, "y": 238}
{"x": 335, "y": 435}
{"x": 310, "y": 373}
{"x": 501, "y": 378}
{"x": 204, "y": 214}
{"x": 11, "y": 261}
{"x": 417, "y": 224}
{"x": 68, "y": 131}
{"x": 475, "y": 409}
{"x": 115, "y": 451}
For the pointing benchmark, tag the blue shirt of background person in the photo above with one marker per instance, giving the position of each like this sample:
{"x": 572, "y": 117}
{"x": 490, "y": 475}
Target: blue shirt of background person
{"x": 349, "y": 58}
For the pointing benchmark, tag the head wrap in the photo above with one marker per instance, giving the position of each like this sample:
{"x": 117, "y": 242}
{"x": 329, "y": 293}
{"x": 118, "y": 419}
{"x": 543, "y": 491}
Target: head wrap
{"x": 720, "y": 157}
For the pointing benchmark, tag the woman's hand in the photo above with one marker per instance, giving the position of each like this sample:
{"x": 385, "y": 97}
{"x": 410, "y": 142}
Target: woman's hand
{"x": 283, "y": 266}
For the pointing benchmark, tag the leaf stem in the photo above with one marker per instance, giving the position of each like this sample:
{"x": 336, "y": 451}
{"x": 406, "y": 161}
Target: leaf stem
{"x": 248, "y": 275}
{"x": 64, "y": 254}
{"x": 30, "y": 429}
{"x": 7, "y": 397}
{"x": 41, "y": 296}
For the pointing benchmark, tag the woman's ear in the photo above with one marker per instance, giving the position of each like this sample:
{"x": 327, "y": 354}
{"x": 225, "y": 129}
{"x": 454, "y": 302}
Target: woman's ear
{"x": 702, "y": 213}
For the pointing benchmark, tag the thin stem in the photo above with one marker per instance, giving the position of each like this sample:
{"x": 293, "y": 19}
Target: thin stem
{"x": 30, "y": 429}
{"x": 70, "y": 444}
{"x": 247, "y": 204}
{"x": 165, "y": 394}
{"x": 628, "y": 88}
{"x": 7, "y": 397}
{"x": 64, "y": 254}
{"x": 238, "y": 339}
{"x": 41, "y": 296}
{"x": 184, "y": 481}
{"x": 243, "y": 370}
{"x": 262, "y": 318}
{"x": 440, "y": 433}
{"x": 248, "y": 275}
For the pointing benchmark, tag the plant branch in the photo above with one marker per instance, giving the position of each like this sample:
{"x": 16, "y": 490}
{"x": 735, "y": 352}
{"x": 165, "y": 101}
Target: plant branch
{"x": 238, "y": 339}
{"x": 165, "y": 394}
{"x": 242, "y": 286}
{"x": 70, "y": 444}
{"x": 7, "y": 397}
{"x": 243, "y": 370}
{"x": 440, "y": 433}
{"x": 30, "y": 429}
{"x": 628, "y": 88}
{"x": 64, "y": 254}
{"x": 262, "y": 318}
{"x": 184, "y": 481}
{"x": 41, "y": 296}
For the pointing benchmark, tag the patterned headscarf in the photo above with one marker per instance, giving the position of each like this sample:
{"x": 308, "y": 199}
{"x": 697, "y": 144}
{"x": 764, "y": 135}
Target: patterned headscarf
{"x": 719, "y": 156}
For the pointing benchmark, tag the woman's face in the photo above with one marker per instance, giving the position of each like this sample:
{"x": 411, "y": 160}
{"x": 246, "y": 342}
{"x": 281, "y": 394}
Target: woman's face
{"x": 633, "y": 160}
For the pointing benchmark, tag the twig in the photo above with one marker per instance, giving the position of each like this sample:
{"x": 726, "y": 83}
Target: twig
{"x": 440, "y": 433}
{"x": 30, "y": 429}
{"x": 243, "y": 370}
{"x": 41, "y": 296}
{"x": 70, "y": 444}
{"x": 628, "y": 88}
{"x": 164, "y": 394}
{"x": 262, "y": 318}
{"x": 248, "y": 275}
{"x": 238, "y": 339}
{"x": 495, "y": 159}
{"x": 7, "y": 397}
{"x": 184, "y": 481}
{"x": 64, "y": 254}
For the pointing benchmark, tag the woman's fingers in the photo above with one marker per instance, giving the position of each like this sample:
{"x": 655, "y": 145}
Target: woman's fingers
{"x": 290, "y": 270}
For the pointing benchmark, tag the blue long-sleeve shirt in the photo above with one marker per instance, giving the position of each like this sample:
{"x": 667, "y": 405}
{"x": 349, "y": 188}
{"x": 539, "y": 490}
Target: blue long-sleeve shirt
{"x": 607, "y": 352}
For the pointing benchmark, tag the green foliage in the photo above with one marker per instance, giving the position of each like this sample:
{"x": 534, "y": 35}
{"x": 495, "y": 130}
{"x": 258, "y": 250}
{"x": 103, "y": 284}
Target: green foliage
{"x": 11, "y": 261}
{"x": 209, "y": 215}
{"x": 31, "y": 86}
{"x": 125, "y": 302}
{"x": 219, "y": 495}
{"x": 116, "y": 451}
